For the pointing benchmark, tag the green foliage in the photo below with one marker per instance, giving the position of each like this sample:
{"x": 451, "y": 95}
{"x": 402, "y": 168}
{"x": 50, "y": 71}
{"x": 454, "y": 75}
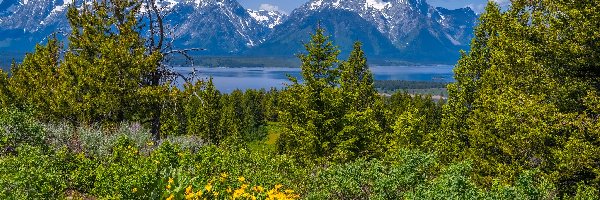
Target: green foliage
{"x": 125, "y": 169}
{"x": 336, "y": 112}
{"x": 414, "y": 121}
{"x": 310, "y": 111}
{"x": 521, "y": 121}
{"x": 32, "y": 174}
{"x": 4, "y": 92}
{"x": 101, "y": 78}
{"x": 270, "y": 104}
{"x": 17, "y": 129}
{"x": 35, "y": 82}
{"x": 523, "y": 96}
{"x": 173, "y": 120}
{"x": 374, "y": 179}
{"x": 107, "y": 61}
{"x": 217, "y": 118}
{"x": 202, "y": 107}
{"x": 395, "y": 85}
{"x": 135, "y": 170}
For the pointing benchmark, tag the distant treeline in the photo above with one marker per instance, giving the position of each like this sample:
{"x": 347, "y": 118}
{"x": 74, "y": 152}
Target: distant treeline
{"x": 393, "y": 85}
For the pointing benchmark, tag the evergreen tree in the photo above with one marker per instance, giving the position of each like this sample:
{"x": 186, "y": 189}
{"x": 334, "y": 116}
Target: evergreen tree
{"x": 203, "y": 109}
{"x": 173, "y": 120}
{"x": 363, "y": 118}
{"x": 467, "y": 73}
{"x": 271, "y": 105}
{"x": 107, "y": 61}
{"x": 356, "y": 81}
{"x": 4, "y": 93}
{"x": 525, "y": 96}
{"x": 106, "y": 75}
{"x": 35, "y": 82}
{"x": 310, "y": 111}
{"x": 232, "y": 115}
{"x": 253, "y": 112}
{"x": 336, "y": 114}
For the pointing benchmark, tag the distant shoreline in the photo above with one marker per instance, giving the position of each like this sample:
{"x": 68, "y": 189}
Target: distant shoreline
{"x": 6, "y": 58}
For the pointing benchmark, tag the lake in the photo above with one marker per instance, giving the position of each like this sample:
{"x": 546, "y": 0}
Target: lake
{"x": 229, "y": 79}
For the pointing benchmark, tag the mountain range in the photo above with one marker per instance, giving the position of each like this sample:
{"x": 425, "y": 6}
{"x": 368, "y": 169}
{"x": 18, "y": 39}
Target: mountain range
{"x": 407, "y": 30}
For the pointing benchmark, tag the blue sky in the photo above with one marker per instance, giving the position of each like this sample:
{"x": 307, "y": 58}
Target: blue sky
{"x": 289, "y": 5}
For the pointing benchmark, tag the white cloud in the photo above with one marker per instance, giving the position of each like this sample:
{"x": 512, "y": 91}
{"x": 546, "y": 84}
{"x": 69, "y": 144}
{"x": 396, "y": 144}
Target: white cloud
{"x": 268, "y": 7}
{"x": 502, "y": 2}
{"x": 479, "y": 8}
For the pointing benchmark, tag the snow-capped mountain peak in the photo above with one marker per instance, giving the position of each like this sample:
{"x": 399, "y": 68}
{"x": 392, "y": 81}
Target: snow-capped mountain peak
{"x": 377, "y": 4}
{"x": 267, "y": 18}
{"x": 224, "y": 27}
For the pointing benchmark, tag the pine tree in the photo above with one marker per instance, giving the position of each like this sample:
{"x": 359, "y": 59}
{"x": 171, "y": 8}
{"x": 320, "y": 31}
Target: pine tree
{"x": 35, "y": 82}
{"x": 5, "y": 96}
{"x": 310, "y": 111}
{"x": 336, "y": 113}
{"x": 271, "y": 105}
{"x": 467, "y": 73}
{"x": 107, "y": 61}
{"x": 203, "y": 109}
{"x": 356, "y": 80}
{"x": 526, "y": 95}
{"x": 107, "y": 73}
{"x": 363, "y": 116}
{"x": 319, "y": 65}
{"x": 231, "y": 121}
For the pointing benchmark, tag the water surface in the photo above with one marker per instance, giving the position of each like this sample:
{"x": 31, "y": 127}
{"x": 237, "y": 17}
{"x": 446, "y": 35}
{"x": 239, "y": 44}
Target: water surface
{"x": 229, "y": 79}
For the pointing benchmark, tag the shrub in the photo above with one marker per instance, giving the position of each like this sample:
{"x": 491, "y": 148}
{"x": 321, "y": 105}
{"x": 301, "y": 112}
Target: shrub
{"x": 19, "y": 128}
{"x": 32, "y": 174}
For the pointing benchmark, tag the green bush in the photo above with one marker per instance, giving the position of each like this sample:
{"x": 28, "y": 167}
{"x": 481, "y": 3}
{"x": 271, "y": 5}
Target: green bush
{"x": 374, "y": 179}
{"x": 19, "y": 128}
{"x": 32, "y": 174}
{"x": 126, "y": 174}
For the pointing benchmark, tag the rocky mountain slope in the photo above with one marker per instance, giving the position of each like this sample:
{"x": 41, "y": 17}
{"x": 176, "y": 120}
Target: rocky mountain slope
{"x": 409, "y": 30}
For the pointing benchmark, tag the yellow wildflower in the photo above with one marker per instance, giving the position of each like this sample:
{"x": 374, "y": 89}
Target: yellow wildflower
{"x": 228, "y": 190}
{"x": 208, "y": 187}
{"x": 289, "y": 191}
{"x": 134, "y": 190}
{"x": 150, "y": 143}
{"x": 241, "y": 179}
{"x": 237, "y": 193}
{"x": 244, "y": 186}
{"x": 281, "y": 196}
{"x": 278, "y": 186}
{"x": 258, "y": 188}
{"x": 216, "y": 193}
{"x": 223, "y": 177}
{"x": 168, "y": 187}
{"x": 171, "y": 197}
{"x": 188, "y": 190}
{"x": 171, "y": 180}
{"x": 189, "y": 196}
{"x": 199, "y": 193}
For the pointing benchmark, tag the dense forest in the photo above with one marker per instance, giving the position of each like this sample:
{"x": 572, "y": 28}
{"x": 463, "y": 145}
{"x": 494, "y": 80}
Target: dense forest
{"x": 100, "y": 118}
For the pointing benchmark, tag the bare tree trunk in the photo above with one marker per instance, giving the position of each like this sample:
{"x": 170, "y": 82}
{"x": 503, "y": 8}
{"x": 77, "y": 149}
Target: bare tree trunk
{"x": 158, "y": 74}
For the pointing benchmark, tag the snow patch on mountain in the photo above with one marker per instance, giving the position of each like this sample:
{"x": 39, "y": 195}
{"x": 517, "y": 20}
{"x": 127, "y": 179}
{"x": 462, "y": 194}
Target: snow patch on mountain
{"x": 61, "y": 8}
{"x": 377, "y": 4}
{"x": 267, "y": 18}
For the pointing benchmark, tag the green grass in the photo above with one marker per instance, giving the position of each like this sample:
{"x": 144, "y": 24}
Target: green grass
{"x": 269, "y": 143}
